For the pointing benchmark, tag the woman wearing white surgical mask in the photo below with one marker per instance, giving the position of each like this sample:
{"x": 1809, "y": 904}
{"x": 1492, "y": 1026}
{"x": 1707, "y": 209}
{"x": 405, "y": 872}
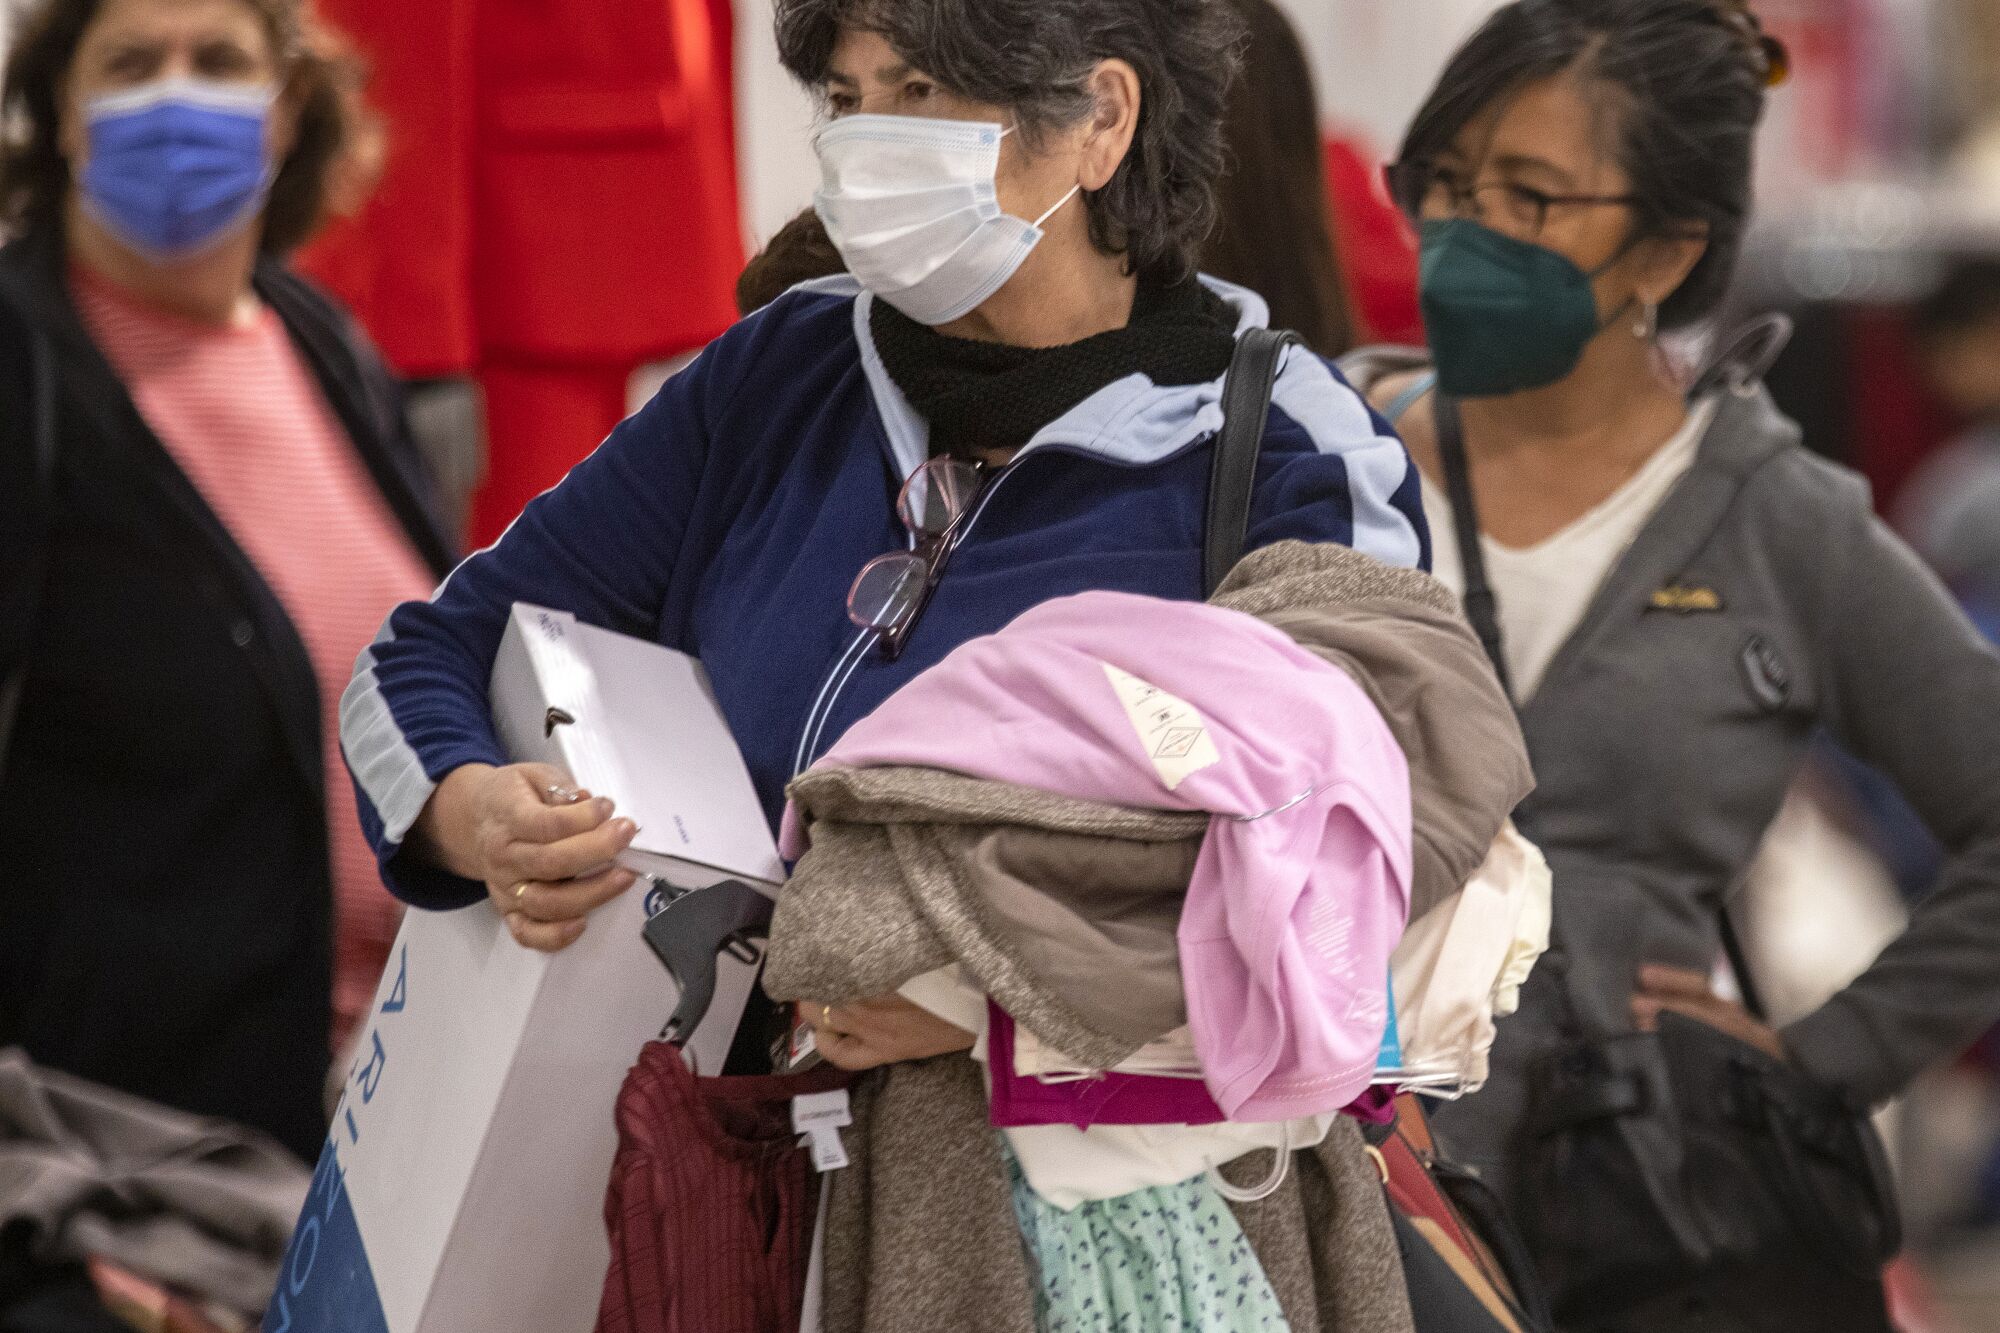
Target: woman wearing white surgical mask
{"x": 208, "y": 501}
{"x": 927, "y": 196}
{"x": 1011, "y": 396}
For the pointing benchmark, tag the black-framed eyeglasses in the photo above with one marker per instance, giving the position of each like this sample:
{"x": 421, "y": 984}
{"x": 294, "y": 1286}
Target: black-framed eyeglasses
{"x": 1519, "y": 210}
{"x": 891, "y": 591}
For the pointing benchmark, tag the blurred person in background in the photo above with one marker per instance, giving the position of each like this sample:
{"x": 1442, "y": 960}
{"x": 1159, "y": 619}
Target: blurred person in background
{"x": 233, "y": 506}
{"x": 1274, "y": 230}
{"x": 797, "y": 252}
{"x": 1950, "y": 507}
{"x": 1684, "y": 596}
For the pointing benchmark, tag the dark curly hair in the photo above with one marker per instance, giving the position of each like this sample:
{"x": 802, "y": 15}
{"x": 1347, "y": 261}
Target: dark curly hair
{"x": 34, "y": 175}
{"x": 1685, "y": 81}
{"x": 1034, "y": 57}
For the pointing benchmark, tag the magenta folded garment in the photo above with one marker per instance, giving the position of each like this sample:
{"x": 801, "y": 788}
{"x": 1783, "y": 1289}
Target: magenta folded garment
{"x": 1377, "y": 1106}
{"x": 1106, "y": 1099}
{"x": 1112, "y": 1098}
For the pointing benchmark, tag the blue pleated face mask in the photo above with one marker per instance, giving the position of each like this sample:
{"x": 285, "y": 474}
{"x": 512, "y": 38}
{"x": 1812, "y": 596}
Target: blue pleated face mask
{"x": 178, "y": 165}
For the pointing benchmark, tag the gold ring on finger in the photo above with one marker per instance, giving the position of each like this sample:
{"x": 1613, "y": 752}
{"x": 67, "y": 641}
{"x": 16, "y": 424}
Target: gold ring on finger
{"x": 521, "y": 890}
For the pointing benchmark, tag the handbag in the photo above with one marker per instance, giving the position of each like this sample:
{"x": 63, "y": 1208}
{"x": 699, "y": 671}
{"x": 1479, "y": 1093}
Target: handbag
{"x": 1682, "y": 1158}
{"x": 1464, "y": 1265}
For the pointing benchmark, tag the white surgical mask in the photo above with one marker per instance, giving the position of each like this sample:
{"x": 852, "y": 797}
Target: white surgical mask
{"x": 910, "y": 204}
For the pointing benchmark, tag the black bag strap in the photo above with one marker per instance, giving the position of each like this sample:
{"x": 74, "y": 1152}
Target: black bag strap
{"x": 1739, "y": 966}
{"x": 1246, "y": 402}
{"x": 1481, "y": 607}
{"x": 42, "y": 437}
{"x": 1739, "y": 366}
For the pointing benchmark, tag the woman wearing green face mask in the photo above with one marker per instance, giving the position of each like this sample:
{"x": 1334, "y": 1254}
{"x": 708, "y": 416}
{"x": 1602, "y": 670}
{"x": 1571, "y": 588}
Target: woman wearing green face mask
{"x": 1679, "y": 596}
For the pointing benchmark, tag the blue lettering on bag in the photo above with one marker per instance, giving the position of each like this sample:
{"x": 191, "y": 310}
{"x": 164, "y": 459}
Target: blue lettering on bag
{"x": 326, "y": 1285}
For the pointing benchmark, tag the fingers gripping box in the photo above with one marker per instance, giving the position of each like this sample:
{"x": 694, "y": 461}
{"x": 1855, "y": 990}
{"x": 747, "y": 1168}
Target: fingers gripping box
{"x": 463, "y": 1181}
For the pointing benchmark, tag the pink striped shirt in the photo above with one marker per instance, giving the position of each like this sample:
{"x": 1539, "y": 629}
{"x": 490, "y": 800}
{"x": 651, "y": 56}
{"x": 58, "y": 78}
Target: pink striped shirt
{"x": 240, "y": 412}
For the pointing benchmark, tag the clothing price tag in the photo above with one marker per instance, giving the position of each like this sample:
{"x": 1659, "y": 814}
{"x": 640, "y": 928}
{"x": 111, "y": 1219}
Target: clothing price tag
{"x": 821, "y": 1110}
{"x": 829, "y": 1154}
{"x": 1174, "y": 735}
{"x": 820, "y": 1117}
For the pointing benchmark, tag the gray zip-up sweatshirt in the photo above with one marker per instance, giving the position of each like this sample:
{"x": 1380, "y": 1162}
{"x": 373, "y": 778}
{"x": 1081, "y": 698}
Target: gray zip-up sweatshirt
{"x": 1663, "y": 741}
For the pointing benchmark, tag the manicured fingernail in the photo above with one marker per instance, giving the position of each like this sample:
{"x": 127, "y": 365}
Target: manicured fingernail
{"x": 626, "y": 828}
{"x": 604, "y": 807}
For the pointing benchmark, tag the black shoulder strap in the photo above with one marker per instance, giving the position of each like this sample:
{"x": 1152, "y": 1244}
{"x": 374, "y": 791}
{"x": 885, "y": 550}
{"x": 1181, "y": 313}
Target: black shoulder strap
{"x": 1246, "y": 402}
{"x": 42, "y": 438}
{"x": 1481, "y": 608}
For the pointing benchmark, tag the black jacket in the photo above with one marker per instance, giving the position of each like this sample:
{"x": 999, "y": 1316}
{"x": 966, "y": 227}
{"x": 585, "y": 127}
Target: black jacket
{"x": 165, "y": 919}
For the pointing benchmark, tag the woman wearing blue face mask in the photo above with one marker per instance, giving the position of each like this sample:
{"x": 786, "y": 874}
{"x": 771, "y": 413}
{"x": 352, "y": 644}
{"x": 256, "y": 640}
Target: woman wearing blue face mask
{"x": 1680, "y": 597}
{"x": 207, "y": 503}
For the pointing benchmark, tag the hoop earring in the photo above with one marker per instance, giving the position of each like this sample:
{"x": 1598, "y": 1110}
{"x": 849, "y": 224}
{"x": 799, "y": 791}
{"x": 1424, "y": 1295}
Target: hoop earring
{"x": 1648, "y": 327}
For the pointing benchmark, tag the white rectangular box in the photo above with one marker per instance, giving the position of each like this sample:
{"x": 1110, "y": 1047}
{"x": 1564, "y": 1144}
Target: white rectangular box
{"x": 463, "y": 1183}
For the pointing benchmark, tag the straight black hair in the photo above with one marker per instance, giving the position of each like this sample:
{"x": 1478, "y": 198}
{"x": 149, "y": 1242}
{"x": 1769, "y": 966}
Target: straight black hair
{"x": 1683, "y": 83}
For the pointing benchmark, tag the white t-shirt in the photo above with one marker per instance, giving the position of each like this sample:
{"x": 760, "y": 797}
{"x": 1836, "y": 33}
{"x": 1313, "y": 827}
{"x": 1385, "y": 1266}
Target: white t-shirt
{"x": 1543, "y": 590}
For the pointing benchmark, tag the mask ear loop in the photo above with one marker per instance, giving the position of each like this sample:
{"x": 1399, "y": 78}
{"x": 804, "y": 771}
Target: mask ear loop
{"x": 1624, "y": 252}
{"x": 1074, "y": 190}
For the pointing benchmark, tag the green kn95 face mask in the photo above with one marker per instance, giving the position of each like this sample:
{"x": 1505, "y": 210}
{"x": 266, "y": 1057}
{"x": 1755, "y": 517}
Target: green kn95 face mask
{"x": 1503, "y": 316}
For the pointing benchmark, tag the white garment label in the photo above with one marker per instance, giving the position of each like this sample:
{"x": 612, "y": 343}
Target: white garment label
{"x": 1174, "y": 734}
{"x": 828, "y": 1153}
{"x": 821, "y": 1110}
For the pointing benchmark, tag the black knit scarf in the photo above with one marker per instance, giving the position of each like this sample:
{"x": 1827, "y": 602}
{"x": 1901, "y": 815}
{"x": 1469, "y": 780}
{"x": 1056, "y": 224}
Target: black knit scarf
{"x": 980, "y": 396}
